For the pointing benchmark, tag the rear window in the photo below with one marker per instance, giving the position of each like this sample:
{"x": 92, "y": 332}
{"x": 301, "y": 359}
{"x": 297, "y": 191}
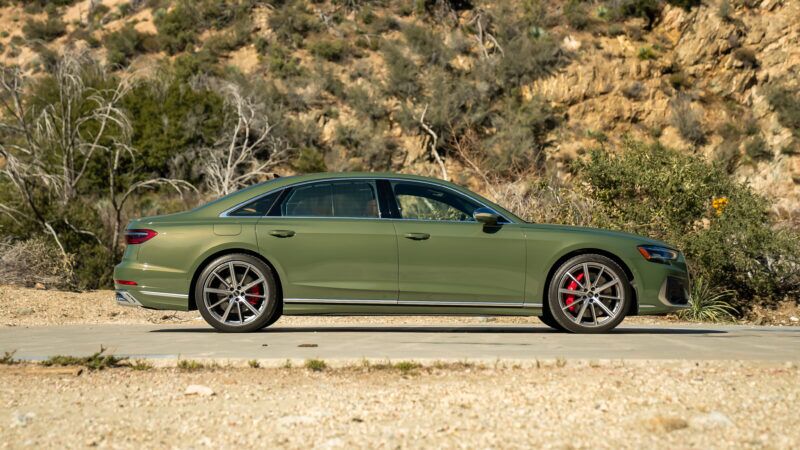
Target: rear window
{"x": 355, "y": 199}
{"x": 257, "y": 208}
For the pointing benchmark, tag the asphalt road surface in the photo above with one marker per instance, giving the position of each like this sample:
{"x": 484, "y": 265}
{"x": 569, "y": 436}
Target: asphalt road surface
{"x": 430, "y": 342}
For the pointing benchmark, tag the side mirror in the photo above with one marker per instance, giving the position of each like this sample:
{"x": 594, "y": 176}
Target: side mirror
{"x": 486, "y": 216}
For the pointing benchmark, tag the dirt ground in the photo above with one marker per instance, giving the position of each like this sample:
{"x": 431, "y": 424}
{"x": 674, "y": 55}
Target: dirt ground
{"x": 560, "y": 405}
{"x": 35, "y": 307}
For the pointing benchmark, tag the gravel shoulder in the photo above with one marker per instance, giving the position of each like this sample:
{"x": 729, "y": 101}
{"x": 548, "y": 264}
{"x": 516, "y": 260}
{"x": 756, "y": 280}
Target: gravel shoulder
{"x": 556, "y": 405}
{"x": 39, "y": 307}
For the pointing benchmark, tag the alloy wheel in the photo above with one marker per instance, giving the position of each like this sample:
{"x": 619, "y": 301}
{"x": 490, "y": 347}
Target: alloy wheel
{"x": 236, "y": 293}
{"x": 591, "y": 294}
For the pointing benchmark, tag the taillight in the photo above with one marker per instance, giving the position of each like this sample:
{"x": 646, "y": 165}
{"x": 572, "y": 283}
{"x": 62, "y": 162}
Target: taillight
{"x": 138, "y": 236}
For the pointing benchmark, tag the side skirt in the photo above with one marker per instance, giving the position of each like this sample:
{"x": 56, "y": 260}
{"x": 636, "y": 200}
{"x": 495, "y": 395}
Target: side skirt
{"x": 292, "y": 306}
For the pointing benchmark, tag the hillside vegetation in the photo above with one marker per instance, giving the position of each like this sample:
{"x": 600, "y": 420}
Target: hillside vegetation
{"x": 679, "y": 119}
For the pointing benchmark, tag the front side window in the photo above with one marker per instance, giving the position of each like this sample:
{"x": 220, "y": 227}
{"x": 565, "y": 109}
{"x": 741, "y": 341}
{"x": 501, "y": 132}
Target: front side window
{"x": 356, "y": 199}
{"x": 421, "y": 201}
{"x": 256, "y": 208}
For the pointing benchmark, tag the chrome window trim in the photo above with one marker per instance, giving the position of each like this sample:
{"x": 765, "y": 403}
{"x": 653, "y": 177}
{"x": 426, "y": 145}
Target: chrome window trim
{"x": 325, "y": 301}
{"x": 224, "y": 214}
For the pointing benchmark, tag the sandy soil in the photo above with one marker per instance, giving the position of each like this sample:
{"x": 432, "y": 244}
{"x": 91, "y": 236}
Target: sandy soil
{"x": 35, "y": 307}
{"x": 563, "y": 405}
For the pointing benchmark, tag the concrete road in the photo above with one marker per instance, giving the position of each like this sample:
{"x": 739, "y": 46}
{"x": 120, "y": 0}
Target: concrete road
{"x": 691, "y": 342}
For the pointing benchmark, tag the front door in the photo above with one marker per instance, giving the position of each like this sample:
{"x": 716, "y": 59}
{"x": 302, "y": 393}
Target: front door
{"x": 331, "y": 245}
{"x": 448, "y": 258}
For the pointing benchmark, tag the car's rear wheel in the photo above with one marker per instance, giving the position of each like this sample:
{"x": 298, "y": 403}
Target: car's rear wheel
{"x": 589, "y": 294}
{"x": 236, "y": 293}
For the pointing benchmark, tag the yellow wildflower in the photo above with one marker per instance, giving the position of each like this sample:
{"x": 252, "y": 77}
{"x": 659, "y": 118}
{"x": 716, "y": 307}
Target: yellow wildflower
{"x": 719, "y": 204}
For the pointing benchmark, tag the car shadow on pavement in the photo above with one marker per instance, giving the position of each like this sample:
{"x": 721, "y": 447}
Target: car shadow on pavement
{"x": 444, "y": 329}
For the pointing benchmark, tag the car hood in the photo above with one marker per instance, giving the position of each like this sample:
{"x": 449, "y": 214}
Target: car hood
{"x": 640, "y": 240}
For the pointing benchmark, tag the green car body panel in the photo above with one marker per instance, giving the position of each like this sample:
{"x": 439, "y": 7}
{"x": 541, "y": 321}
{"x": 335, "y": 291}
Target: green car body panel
{"x": 333, "y": 265}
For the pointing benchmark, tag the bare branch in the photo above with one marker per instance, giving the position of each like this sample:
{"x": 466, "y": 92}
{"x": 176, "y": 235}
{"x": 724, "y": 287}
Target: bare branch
{"x": 434, "y": 142}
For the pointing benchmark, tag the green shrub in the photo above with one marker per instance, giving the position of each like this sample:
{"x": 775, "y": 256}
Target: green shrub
{"x": 177, "y": 28}
{"x": 330, "y": 49}
{"x": 427, "y": 44}
{"x": 786, "y": 103}
{"x": 292, "y": 22}
{"x": 309, "y": 160}
{"x": 360, "y": 99}
{"x": 518, "y": 147}
{"x": 402, "y": 77}
{"x": 542, "y": 55}
{"x": 723, "y": 227}
{"x": 124, "y": 44}
{"x": 282, "y": 63}
{"x": 577, "y": 14}
{"x": 756, "y": 149}
{"x": 708, "y": 303}
{"x": 315, "y": 365}
{"x": 45, "y": 30}
{"x": 646, "y": 53}
{"x": 229, "y": 40}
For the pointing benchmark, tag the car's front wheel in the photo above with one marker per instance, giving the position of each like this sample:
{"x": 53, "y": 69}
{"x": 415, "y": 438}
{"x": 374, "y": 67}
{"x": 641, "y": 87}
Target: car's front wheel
{"x": 236, "y": 293}
{"x": 589, "y": 294}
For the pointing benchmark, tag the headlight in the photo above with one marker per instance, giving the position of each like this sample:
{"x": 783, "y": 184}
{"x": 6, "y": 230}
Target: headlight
{"x": 658, "y": 254}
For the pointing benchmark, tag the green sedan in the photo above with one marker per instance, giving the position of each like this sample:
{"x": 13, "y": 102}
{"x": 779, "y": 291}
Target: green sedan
{"x": 382, "y": 244}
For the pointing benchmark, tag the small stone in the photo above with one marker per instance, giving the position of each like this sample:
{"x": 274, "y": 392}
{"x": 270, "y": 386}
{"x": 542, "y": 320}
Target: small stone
{"x": 21, "y": 420}
{"x": 308, "y": 345}
{"x": 665, "y": 424}
{"x": 794, "y": 319}
{"x": 199, "y": 389}
{"x": 39, "y": 286}
{"x": 713, "y": 419}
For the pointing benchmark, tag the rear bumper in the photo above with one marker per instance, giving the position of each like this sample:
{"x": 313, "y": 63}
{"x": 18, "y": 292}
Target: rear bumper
{"x": 125, "y": 298}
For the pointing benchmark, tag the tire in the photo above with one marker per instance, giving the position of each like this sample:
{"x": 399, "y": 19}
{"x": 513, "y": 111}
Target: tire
{"x": 275, "y": 316}
{"x": 243, "y": 304}
{"x": 548, "y": 320}
{"x": 595, "y": 308}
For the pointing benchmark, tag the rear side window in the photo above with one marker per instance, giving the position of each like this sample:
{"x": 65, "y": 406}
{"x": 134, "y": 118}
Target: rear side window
{"x": 355, "y": 199}
{"x": 256, "y": 208}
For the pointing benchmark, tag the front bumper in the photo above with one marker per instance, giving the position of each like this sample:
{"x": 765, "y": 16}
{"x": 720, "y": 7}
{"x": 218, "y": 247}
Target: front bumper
{"x": 662, "y": 288}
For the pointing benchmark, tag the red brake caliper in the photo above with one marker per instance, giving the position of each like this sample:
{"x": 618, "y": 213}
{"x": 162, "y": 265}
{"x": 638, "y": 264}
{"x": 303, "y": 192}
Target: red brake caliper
{"x": 255, "y": 290}
{"x": 571, "y": 286}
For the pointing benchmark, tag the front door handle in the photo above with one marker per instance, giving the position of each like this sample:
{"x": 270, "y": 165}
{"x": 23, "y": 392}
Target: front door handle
{"x": 282, "y": 233}
{"x": 417, "y": 236}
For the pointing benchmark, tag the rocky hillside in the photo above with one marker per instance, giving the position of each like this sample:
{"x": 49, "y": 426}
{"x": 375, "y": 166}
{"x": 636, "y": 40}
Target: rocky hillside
{"x": 402, "y": 85}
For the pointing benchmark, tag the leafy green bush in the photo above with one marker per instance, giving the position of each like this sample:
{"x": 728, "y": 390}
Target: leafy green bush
{"x": 330, "y": 49}
{"x": 723, "y": 227}
{"x": 124, "y": 44}
{"x": 309, "y": 160}
{"x": 45, "y": 30}
{"x": 177, "y": 28}
{"x": 646, "y": 53}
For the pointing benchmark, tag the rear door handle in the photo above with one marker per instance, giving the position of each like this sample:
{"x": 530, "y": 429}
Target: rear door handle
{"x": 282, "y": 233}
{"x": 417, "y": 236}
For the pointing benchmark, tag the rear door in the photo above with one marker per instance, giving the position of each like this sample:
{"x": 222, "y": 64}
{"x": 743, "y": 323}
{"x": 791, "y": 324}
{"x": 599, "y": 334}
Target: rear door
{"x": 330, "y": 244}
{"x": 447, "y": 258}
